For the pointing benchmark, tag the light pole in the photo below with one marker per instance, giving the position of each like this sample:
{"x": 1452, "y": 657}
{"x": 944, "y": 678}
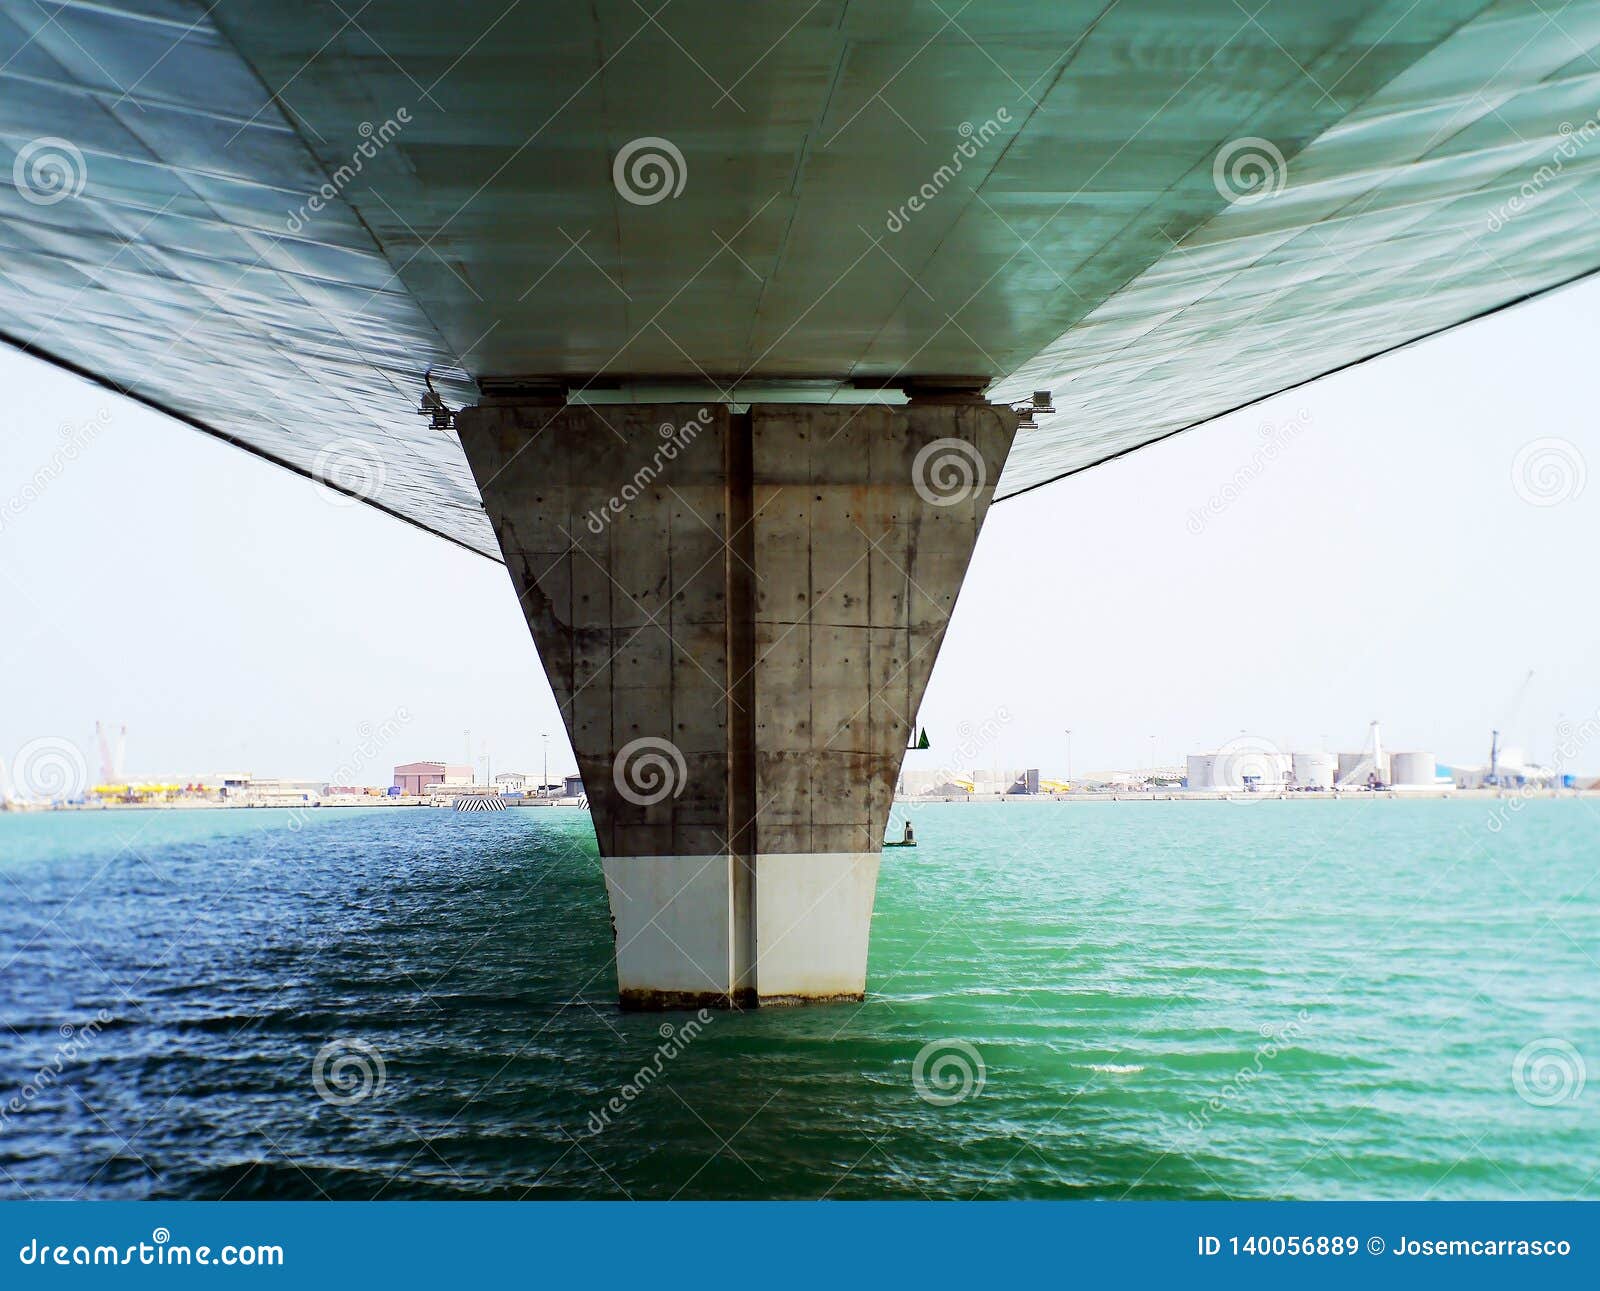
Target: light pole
{"x": 1069, "y": 758}
{"x": 544, "y": 783}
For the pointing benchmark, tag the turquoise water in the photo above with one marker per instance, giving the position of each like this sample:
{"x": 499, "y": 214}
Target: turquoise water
{"x": 1273, "y": 999}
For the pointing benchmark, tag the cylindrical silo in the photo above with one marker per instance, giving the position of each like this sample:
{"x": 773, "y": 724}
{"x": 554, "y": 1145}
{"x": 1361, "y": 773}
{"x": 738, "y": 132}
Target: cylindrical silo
{"x": 1348, "y": 762}
{"x": 1250, "y": 763}
{"x": 1315, "y": 770}
{"x": 1412, "y": 770}
{"x": 1199, "y": 771}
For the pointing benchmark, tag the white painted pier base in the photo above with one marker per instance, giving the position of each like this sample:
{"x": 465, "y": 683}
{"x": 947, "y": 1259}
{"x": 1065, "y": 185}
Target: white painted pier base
{"x": 677, "y": 938}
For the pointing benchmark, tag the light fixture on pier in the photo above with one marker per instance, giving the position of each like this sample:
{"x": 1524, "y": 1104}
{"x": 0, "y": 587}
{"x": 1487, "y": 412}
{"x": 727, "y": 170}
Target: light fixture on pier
{"x": 440, "y": 416}
{"x": 1028, "y": 413}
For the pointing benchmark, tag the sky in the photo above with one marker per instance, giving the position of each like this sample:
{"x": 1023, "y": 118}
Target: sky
{"x": 1403, "y": 541}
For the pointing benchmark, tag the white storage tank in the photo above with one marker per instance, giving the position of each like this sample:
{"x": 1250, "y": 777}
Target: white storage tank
{"x": 1252, "y": 760}
{"x": 1315, "y": 770}
{"x": 1200, "y": 771}
{"x": 1348, "y": 762}
{"x": 1413, "y": 770}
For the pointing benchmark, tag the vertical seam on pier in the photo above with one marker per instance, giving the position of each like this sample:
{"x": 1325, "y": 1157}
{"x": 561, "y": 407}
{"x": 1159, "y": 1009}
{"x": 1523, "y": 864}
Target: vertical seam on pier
{"x": 740, "y": 603}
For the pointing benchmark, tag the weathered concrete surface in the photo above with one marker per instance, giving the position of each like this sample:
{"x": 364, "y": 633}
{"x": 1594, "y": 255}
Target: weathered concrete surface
{"x": 738, "y": 614}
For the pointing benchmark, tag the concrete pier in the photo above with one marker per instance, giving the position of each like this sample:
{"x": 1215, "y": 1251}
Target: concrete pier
{"x": 738, "y": 613}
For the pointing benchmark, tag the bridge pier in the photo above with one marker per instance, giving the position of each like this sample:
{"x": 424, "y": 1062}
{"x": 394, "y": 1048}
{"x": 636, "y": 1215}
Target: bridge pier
{"x": 738, "y": 613}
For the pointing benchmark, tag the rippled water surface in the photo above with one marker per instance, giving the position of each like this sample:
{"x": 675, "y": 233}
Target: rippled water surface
{"x": 1354, "y": 999}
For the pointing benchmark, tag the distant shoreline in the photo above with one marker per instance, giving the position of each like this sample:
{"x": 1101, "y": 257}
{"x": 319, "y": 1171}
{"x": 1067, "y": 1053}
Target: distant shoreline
{"x": 1239, "y": 795}
{"x": 900, "y": 800}
{"x": 334, "y": 804}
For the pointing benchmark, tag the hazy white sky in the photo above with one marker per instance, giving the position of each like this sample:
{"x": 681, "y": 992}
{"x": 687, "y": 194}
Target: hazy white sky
{"x": 1375, "y": 558}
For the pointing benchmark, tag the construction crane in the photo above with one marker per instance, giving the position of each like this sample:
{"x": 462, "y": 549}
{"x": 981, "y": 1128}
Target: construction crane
{"x": 1369, "y": 770}
{"x": 110, "y": 763}
{"x": 1515, "y": 706}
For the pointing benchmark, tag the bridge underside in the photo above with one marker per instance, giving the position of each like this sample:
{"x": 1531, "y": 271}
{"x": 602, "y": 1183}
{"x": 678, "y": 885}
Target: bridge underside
{"x": 273, "y": 218}
{"x": 286, "y": 221}
{"x": 738, "y": 612}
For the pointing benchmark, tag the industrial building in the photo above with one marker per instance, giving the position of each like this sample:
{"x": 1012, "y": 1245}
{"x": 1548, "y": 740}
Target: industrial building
{"x": 418, "y": 777}
{"x": 1511, "y": 769}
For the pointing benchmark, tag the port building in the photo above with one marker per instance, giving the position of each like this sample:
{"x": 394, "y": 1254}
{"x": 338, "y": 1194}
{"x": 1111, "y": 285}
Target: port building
{"x": 420, "y": 777}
